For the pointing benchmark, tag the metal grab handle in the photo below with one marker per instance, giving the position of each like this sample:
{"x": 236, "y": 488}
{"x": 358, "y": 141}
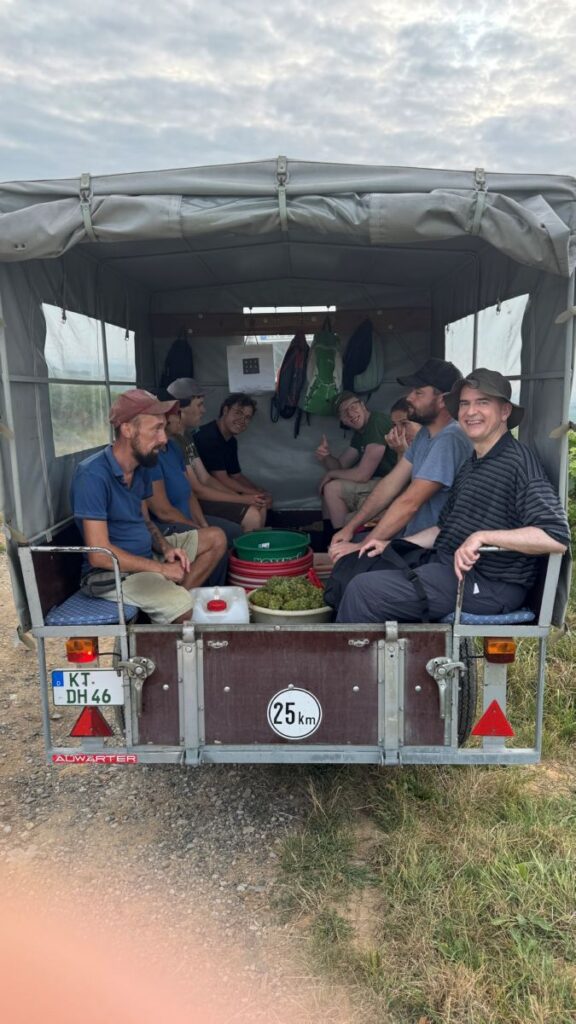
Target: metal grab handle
{"x": 81, "y": 549}
{"x": 461, "y": 583}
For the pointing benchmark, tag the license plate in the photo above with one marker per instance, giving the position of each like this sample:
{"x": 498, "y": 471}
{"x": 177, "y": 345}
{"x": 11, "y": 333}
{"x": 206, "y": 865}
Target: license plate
{"x": 87, "y": 687}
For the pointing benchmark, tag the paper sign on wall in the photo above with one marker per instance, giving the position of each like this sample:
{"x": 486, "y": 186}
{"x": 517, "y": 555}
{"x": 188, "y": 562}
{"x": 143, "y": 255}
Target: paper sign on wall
{"x": 251, "y": 368}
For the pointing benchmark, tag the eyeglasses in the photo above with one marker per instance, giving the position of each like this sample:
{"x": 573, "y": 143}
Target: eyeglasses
{"x": 349, "y": 408}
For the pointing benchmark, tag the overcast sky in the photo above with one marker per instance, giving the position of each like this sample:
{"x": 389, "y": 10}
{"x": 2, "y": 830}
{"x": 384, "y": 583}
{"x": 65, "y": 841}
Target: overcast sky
{"x": 175, "y": 83}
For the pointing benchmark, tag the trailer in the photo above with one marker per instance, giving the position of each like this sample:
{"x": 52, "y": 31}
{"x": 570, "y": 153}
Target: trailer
{"x": 99, "y": 276}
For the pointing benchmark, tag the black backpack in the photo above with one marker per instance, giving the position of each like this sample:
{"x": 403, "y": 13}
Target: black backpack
{"x": 290, "y": 380}
{"x": 357, "y": 354}
{"x": 179, "y": 361}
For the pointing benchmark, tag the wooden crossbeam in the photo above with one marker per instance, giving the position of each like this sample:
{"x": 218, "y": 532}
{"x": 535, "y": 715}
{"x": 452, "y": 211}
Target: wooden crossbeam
{"x": 344, "y": 321}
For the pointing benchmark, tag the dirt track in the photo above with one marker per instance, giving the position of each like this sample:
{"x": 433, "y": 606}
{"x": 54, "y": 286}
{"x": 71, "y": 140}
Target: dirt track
{"x": 183, "y": 859}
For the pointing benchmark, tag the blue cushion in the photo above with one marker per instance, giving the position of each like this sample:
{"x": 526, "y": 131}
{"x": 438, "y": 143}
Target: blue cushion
{"x": 81, "y": 610}
{"x": 517, "y": 618}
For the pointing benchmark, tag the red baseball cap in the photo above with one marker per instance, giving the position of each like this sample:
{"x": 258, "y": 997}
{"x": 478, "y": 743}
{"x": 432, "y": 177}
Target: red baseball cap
{"x": 138, "y": 402}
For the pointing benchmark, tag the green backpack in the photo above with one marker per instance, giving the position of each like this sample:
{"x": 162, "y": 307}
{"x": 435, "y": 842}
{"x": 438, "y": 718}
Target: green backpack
{"x": 323, "y": 372}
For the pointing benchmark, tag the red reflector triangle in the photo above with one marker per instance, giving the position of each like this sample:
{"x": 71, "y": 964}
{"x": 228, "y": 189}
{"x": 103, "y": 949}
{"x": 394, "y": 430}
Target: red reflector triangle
{"x": 91, "y": 722}
{"x": 493, "y": 722}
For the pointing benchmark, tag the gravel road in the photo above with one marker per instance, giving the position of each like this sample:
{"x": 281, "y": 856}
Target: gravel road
{"x": 191, "y": 855}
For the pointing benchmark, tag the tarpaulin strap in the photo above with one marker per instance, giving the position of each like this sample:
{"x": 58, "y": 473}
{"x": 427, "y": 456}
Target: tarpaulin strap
{"x": 85, "y": 192}
{"x": 479, "y": 201}
{"x": 282, "y": 178}
{"x": 25, "y": 638}
{"x": 567, "y": 315}
{"x": 11, "y": 533}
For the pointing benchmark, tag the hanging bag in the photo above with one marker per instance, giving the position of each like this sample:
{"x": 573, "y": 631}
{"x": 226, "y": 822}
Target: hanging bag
{"x": 324, "y": 373}
{"x": 290, "y": 380}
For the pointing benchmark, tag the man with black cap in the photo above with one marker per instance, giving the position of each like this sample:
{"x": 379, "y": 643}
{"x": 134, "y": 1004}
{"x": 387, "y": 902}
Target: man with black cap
{"x": 414, "y": 492}
{"x": 109, "y": 493}
{"x": 501, "y": 498}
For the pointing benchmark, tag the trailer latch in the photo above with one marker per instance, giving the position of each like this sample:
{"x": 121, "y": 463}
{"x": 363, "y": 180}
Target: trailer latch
{"x": 137, "y": 669}
{"x": 440, "y": 669}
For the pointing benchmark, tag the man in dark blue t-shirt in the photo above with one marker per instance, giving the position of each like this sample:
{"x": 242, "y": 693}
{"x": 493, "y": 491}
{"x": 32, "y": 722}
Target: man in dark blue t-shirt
{"x": 109, "y": 493}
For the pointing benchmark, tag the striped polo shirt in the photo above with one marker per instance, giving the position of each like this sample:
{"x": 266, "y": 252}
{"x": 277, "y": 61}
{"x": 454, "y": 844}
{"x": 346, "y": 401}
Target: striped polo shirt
{"x": 506, "y": 489}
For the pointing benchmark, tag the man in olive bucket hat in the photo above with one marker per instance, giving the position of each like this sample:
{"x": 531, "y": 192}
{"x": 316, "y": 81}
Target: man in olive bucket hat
{"x": 501, "y": 497}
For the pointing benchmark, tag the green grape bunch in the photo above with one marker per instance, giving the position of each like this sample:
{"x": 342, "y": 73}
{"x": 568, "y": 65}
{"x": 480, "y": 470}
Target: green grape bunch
{"x": 288, "y": 594}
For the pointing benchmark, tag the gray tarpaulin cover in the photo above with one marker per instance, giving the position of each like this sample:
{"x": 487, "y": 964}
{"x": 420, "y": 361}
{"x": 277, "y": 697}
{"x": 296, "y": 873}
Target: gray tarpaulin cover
{"x": 276, "y": 232}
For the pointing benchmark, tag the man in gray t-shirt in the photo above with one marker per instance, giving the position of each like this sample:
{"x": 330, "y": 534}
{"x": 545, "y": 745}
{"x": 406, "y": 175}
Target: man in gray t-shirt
{"x": 411, "y": 496}
{"x": 435, "y": 457}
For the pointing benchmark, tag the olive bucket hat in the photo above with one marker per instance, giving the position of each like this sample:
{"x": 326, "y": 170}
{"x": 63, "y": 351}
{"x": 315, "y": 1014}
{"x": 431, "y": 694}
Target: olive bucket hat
{"x": 489, "y": 382}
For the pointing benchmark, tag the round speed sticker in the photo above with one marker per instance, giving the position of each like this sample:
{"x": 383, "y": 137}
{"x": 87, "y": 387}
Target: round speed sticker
{"x": 294, "y": 714}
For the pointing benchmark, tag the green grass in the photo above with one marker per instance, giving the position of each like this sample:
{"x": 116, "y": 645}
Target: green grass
{"x": 444, "y": 895}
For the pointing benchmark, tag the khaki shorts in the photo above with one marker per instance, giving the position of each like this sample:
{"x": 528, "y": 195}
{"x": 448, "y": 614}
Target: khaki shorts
{"x": 355, "y": 494}
{"x": 161, "y": 599}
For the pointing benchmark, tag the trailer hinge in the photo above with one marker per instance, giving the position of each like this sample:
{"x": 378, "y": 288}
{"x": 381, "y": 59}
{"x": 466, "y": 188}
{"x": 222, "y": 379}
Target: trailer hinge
{"x": 137, "y": 669}
{"x": 440, "y": 669}
{"x": 282, "y": 177}
{"x": 85, "y": 193}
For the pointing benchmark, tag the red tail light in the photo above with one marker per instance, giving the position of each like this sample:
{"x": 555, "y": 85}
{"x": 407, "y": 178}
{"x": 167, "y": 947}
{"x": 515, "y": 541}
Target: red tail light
{"x": 82, "y": 649}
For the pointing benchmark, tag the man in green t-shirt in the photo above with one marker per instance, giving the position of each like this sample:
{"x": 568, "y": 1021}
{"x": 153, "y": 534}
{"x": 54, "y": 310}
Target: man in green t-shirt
{"x": 351, "y": 476}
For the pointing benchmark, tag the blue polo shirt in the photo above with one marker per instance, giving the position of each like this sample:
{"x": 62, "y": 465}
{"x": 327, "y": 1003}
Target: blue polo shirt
{"x": 171, "y": 468}
{"x": 98, "y": 492}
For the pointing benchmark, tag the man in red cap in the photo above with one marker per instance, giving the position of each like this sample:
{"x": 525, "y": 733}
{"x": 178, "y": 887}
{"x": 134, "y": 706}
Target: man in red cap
{"x": 109, "y": 493}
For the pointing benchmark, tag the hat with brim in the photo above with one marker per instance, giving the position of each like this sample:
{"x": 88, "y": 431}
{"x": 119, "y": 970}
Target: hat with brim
{"x": 434, "y": 373}
{"x": 490, "y": 383}
{"x": 138, "y": 402}
{"x": 185, "y": 388}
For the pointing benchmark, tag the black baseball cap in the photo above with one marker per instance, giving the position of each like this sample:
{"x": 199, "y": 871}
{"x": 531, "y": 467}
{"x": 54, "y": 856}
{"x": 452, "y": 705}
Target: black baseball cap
{"x": 434, "y": 373}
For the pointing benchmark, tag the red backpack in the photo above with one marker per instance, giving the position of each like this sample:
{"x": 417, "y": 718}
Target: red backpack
{"x": 290, "y": 380}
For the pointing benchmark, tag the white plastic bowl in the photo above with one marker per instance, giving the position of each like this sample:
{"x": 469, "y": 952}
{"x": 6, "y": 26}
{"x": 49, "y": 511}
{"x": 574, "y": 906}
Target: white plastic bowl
{"x": 286, "y": 618}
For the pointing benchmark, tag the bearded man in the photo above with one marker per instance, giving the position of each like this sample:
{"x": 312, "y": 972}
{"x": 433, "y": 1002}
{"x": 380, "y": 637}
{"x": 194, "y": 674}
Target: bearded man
{"x": 410, "y": 498}
{"x": 109, "y": 492}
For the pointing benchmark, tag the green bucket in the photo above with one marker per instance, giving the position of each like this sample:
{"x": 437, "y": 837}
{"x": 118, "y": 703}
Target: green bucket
{"x": 271, "y": 545}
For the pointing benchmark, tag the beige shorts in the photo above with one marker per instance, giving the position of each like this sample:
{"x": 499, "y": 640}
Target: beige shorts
{"x": 355, "y": 494}
{"x": 161, "y": 599}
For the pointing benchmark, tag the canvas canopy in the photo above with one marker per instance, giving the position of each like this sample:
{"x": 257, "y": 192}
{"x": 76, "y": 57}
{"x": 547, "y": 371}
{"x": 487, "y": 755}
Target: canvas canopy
{"x": 130, "y": 249}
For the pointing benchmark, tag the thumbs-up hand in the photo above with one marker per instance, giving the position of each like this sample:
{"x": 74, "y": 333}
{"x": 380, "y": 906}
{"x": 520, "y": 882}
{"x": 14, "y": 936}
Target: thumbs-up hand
{"x": 323, "y": 449}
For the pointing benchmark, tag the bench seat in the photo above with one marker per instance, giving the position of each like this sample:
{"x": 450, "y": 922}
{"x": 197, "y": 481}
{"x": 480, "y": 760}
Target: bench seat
{"x": 81, "y": 610}
{"x": 517, "y": 618}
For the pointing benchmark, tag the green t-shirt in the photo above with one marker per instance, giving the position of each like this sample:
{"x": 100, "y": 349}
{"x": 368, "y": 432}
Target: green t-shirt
{"x": 374, "y": 433}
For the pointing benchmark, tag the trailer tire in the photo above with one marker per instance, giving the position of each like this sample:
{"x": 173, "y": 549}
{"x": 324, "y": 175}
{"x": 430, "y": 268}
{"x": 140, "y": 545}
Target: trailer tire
{"x": 467, "y": 690}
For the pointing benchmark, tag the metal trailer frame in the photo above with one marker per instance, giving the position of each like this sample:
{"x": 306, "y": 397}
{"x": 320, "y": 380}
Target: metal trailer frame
{"x": 193, "y": 643}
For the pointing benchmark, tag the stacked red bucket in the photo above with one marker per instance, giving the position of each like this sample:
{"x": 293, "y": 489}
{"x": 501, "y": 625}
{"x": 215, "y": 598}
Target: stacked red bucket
{"x": 265, "y": 553}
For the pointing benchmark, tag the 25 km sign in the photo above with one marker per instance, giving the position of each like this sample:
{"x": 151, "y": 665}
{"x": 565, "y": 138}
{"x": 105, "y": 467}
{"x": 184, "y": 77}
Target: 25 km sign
{"x": 294, "y": 714}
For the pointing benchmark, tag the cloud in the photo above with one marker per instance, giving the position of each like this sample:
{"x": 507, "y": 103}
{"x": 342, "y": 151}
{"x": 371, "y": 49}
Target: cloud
{"x": 184, "y": 83}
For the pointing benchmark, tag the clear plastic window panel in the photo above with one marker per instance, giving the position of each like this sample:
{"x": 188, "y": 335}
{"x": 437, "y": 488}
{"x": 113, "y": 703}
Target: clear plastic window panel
{"x": 74, "y": 345}
{"x": 499, "y": 338}
{"x": 79, "y": 417}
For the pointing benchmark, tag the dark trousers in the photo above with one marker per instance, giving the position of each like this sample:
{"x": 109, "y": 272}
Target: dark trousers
{"x": 388, "y": 595}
